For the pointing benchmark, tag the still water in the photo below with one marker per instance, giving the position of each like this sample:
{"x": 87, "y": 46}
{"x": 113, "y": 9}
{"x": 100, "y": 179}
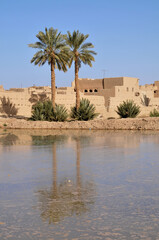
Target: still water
{"x": 89, "y": 185}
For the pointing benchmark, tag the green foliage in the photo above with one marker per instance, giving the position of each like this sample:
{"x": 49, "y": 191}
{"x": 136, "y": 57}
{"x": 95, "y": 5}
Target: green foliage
{"x": 52, "y": 47}
{"x": 154, "y": 113}
{"x": 37, "y": 112}
{"x": 8, "y": 107}
{"x": 43, "y": 111}
{"x": 128, "y": 109}
{"x": 47, "y": 110}
{"x": 85, "y": 112}
{"x": 59, "y": 114}
{"x": 79, "y": 49}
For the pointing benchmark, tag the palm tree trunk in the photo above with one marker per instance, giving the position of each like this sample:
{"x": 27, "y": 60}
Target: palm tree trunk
{"x": 78, "y": 177}
{"x": 53, "y": 88}
{"x": 77, "y": 84}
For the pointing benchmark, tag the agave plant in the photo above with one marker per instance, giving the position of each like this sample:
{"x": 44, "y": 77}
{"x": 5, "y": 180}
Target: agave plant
{"x": 85, "y": 112}
{"x": 128, "y": 109}
{"x": 47, "y": 110}
{"x": 154, "y": 113}
{"x": 37, "y": 112}
{"x": 44, "y": 111}
{"x": 59, "y": 114}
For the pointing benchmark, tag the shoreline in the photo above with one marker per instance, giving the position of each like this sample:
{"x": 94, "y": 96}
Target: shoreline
{"x": 146, "y": 123}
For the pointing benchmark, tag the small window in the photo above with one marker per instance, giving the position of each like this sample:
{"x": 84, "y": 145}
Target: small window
{"x": 132, "y": 89}
{"x": 90, "y": 90}
{"x": 127, "y": 89}
{"x": 155, "y": 91}
{"x": 118, "y": 90}
{"x": 85, "y": 90}
{"x": 95, "y": 90}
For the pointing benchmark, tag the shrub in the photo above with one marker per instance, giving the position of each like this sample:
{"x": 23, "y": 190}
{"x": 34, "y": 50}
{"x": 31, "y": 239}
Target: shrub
{"x": 8, "y": 107}
{"x": 38, "y": 112}
{"x": 43, "y": 111}
{"x": 85, "y": 112}
{"x": 154, "y": 113}
{"x": 128, "y": 109}
{"x": 59, "y": 114}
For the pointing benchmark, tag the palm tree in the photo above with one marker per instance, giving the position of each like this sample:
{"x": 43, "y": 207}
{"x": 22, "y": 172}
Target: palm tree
{"x": 52, "y": 49}
{"x": 80, "y": 52}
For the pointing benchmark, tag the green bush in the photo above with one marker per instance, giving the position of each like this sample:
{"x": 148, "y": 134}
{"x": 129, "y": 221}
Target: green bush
{"x": 59, "y": 114}
{"x": 38, "y": 112}
{"x": 85, "y": 112}
{"x": 43, "y": 111}
{"x": 154, "y": 113}
{"x": 128, "y": 109}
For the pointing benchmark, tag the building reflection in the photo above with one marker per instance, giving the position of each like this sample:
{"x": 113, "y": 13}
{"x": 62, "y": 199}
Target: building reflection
{"x": 66, "y": 197}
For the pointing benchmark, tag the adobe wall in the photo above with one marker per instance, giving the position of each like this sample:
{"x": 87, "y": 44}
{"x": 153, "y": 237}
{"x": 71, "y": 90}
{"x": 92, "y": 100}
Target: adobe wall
{"x": 110, "y": 93}
{"x": 112, "y": 82}
{"x": 106, "y": 93}
{"x": 20, "y": 99}
{"x": 89, "y": 84}
{"x": 65, "y": 96}
{"x": 69, "y": 100}
{"x": 107, "y": 87}
{"x": 156, "y": 92}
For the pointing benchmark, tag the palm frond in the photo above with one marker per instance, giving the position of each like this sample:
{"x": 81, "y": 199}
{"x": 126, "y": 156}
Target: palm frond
{"x": 51, "y": 44}
{"x": 79, "y": 48}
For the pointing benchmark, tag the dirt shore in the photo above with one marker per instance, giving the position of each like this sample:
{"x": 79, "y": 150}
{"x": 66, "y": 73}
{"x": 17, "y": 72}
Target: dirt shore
{"x": 111, "y": 124}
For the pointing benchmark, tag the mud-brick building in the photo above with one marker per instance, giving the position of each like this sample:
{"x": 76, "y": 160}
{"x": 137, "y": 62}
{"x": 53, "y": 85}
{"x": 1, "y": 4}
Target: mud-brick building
{"x": 106, "y": 94}
{"x": 116, "y": 90}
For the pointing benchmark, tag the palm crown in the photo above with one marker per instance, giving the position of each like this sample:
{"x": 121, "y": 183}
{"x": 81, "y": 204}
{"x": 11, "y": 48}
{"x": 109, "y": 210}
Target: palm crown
{"x": 53, "y": 48}
{"x": 79, "y": 49}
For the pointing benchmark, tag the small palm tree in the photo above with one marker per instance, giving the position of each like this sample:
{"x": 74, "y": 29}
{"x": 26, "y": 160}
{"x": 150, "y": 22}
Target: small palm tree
{"x": 80, "y": 52}
{"x": 52, "y": 49}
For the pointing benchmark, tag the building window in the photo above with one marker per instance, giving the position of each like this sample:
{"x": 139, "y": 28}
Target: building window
{"x": 95, "y": 90}
{"x": 90, "y": 90}
{"x": 85, "y": 90}
{"x": 118, "y": 90}
{"x": 155, "y": 91}
{"x": 127, "y": 89}
{"x": 132, "y": 89}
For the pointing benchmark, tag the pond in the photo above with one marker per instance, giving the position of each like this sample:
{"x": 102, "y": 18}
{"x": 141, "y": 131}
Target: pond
{"x": 89, "y": 185}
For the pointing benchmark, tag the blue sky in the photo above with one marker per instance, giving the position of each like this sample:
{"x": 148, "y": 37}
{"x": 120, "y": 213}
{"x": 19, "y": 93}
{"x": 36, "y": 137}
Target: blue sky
{"x": 125, "y": 34}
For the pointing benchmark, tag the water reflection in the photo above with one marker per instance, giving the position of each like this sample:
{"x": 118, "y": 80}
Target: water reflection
{"x": 87, "y": 184}
{"x": 7, "y": 139}
{"x": 66, "y": 198}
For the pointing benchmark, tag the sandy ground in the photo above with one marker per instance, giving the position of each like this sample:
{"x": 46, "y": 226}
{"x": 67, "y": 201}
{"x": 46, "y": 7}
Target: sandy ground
{"x": 111, "y": 124}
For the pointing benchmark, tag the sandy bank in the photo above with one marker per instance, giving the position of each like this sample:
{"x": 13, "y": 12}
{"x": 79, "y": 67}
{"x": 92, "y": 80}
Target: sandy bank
{"x": 111, "y": 124}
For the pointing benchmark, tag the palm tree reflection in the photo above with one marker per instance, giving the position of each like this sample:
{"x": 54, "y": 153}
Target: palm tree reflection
{"x": 66, "y": 198}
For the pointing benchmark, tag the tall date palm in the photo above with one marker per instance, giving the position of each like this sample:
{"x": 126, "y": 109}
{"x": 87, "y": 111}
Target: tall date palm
{"x": 80, "y": 52}
{"x": 52, "y": 49}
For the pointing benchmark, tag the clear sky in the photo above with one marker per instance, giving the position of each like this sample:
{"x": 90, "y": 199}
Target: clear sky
{"x": 125, "y": 34}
